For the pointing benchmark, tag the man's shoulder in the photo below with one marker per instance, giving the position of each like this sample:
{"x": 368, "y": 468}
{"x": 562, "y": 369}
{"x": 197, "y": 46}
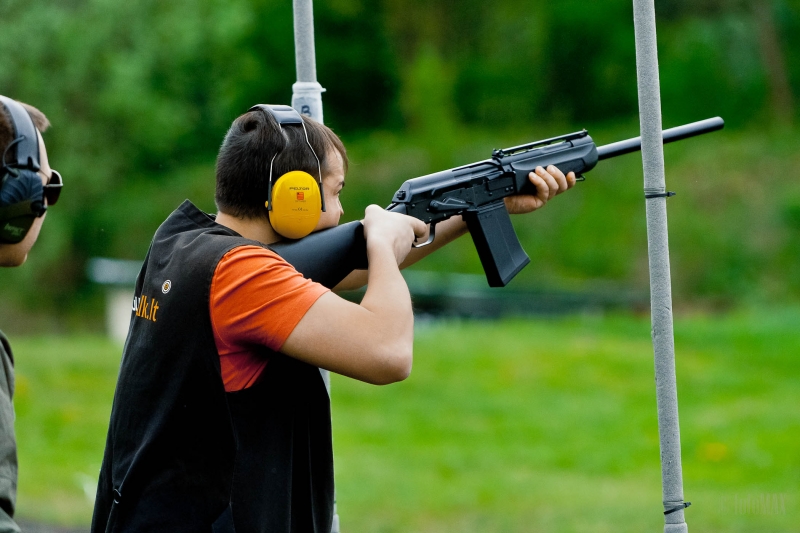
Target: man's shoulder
{"x": 249, "y": 257}
{"x": 194, "y": 236}
{"x": 189, "y": 218}
{"x": 252, "y": 251}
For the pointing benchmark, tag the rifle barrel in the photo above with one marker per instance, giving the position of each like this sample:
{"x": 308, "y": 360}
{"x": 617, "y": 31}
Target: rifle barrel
{"x": 671, "y": 135}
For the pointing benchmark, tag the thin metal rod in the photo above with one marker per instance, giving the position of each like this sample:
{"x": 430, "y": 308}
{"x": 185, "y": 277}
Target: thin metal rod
{"x": 658, "y": 250}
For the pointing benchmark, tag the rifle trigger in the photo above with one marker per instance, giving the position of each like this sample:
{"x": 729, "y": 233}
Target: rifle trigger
{"x": 580, "y": 177}
{"x": 431, "y": 235}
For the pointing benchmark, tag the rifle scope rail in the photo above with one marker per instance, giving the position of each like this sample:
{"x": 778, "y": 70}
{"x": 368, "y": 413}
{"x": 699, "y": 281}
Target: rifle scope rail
{"x": 501, "y": 153}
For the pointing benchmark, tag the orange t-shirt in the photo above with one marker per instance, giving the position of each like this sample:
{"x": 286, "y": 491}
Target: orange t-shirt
{"x": 256, "y": 300}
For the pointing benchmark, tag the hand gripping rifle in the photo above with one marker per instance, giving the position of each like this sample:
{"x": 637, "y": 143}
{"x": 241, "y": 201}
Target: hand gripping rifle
{"x": 475, "y": 192}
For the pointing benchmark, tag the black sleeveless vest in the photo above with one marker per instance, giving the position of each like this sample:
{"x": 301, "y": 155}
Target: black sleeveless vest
{"x": 182, "y": 455}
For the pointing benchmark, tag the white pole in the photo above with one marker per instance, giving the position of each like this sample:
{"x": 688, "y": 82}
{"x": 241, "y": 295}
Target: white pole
{"x": 307, "y": 100}
{"x": 658, "y": 249}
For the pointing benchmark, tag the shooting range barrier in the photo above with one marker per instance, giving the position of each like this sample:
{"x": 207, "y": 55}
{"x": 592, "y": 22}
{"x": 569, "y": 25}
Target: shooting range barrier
{"x": 444, "y": 295}
{"x": 435, "y": 295}
{"x": 118, "y": 276}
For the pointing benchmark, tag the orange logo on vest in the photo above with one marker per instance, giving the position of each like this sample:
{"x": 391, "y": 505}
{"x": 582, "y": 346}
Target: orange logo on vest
{"x": 145, "y": 307}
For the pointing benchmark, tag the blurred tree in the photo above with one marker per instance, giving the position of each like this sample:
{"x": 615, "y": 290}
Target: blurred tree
{"x": 519, "y": 62}
{"x": 356, "y": 64}
{"x": 762, "y": 17}
{"x": 774, "y": 62}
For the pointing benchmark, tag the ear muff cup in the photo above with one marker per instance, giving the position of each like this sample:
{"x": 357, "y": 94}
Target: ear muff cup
{"x": 21, "y": 202}
{"x": 296, "y": 204}
{"x": 15, "y": 222}
{"x": 26, "y": 185}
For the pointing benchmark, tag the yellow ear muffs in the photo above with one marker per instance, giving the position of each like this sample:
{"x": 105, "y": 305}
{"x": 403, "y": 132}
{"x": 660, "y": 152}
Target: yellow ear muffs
{"x": 296, "y": 204}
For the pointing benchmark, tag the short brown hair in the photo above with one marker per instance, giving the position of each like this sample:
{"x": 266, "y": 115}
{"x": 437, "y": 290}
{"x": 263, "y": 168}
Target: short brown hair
{"x": 244, "y": 159}
{"x": 7, "y": 130}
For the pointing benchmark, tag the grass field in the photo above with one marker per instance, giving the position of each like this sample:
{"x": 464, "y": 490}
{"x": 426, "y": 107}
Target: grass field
{"x": 515, "y": 425}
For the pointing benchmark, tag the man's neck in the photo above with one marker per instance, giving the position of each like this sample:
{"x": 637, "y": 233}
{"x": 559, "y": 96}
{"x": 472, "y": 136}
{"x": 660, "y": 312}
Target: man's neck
{"x": 257, "y": 229}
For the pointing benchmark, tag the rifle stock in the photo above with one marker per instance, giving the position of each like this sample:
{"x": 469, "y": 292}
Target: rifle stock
{"x": 327, "y": 256}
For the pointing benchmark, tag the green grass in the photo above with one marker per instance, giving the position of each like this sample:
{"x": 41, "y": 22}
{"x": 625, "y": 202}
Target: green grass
{"x": 514, "y": 425}
{"x": 64, "y": 390}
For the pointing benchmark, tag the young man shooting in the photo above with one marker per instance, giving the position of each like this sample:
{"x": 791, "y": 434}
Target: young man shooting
{"x": 221, "y": 420}
{"x": 27, "y": 187}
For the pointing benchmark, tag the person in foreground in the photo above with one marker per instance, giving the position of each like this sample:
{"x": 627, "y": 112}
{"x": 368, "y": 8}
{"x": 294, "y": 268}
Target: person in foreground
{"x": 221, "y": 419}
{"x": 28, "y": 186}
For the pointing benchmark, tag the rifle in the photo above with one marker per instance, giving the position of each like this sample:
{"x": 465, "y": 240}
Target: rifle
{"x": 476, "y": 192}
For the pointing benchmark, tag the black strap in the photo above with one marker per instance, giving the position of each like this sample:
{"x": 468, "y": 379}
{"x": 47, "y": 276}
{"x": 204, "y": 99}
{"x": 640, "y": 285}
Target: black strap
{"x": 679, "y": 507}
{"x": 667, "y": 194}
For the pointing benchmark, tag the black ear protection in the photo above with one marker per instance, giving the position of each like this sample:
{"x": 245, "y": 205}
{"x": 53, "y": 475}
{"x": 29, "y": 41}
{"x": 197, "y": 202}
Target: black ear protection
{"x": 21, "y": 190}
{"x": 295, "y": 201}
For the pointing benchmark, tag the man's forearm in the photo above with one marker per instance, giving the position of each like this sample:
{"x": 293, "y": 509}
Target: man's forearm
{"x": 387, "y": 292}
{"x": 373, "y": 341}
{"x": 389, "y": 301}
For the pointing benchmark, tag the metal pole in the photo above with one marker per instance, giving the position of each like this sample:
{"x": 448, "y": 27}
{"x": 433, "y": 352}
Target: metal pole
{"x": 307, "y": 100}
{"x": 307, "y": 92}
{"x": 658, "y": 249}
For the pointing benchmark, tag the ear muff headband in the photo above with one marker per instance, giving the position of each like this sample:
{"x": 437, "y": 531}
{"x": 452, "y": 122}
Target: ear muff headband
{"x": 295, "y": 200}
{"x": 21, "y": 191}
{"x": 25, "y": 137}
{"x": 284, "y": 114}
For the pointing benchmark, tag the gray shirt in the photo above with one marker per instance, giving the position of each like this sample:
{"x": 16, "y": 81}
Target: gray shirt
{"x": 8, "y": 443}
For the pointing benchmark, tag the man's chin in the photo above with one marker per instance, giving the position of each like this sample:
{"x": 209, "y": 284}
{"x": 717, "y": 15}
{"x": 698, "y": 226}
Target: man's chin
{"x": 12, "y": 259}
